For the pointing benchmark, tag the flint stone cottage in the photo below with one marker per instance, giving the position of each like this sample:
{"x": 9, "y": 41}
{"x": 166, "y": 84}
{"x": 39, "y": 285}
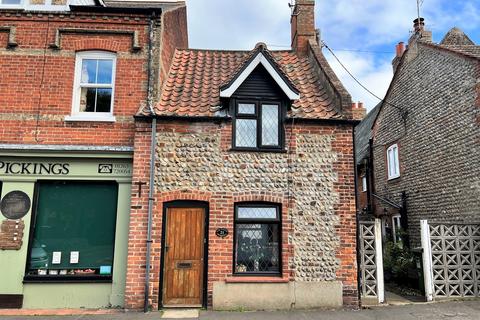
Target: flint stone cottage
{"x": 253, "y": 197}
{"x": 72, "y": 76}
{"x": 423, "y": 161}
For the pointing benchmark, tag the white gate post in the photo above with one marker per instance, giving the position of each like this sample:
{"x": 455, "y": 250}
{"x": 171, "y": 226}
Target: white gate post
{"x": 427, "y": 259}
{"x": 379, "y": 261}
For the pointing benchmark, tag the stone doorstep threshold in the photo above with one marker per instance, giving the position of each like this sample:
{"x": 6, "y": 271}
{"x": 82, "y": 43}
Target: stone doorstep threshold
{"x": 58, "y": 312}
{"x": 186, "y": 313}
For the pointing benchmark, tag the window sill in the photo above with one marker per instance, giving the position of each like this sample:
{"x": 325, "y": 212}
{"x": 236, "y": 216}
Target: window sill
{"x": 256, "y": 279}
{"x": 257, "y": 150}
{"x": 89, "y": 118}
{"x": 393, "y": 178}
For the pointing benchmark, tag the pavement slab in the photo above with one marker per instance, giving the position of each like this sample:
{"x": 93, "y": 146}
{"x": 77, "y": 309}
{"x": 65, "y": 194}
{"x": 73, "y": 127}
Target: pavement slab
{"x": 451, "y": 310}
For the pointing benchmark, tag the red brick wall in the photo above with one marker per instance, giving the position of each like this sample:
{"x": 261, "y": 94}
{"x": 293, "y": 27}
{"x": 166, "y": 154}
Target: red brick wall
{"x": 36, "y": 85}
{"x": 221, "y": 208}
{"x": 361, "y": 195}
{"x": 174, "y": 24}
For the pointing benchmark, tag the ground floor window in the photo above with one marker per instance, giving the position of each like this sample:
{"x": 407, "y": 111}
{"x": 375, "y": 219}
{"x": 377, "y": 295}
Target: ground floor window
{"x": 257, "y": 239}
{"x": 73, "y": 230}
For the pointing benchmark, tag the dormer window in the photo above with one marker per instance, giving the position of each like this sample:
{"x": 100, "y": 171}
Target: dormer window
{"x": 257, "y": 125}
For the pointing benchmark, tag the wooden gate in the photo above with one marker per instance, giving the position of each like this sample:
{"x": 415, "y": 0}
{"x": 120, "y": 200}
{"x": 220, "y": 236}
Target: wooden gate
{"x": 451, "y": 260}
{"x": 371, "y": 262}
{"x": 184, "y": 252}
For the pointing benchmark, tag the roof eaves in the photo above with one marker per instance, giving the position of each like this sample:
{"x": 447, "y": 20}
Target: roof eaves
{"x": 226, "y": 89}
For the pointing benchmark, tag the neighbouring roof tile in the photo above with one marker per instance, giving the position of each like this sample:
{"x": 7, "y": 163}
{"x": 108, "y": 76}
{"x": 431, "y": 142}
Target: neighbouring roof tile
{"x": 196, "y": 76}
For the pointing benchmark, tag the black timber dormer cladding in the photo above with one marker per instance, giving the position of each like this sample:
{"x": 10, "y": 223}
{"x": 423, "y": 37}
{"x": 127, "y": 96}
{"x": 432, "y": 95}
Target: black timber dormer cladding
{"x": 258, "y": 99}
{"x": 260, "y": 84}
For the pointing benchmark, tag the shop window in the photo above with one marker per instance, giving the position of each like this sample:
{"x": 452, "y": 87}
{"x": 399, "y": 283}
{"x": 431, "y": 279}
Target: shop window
{"x": 257, "y": 125}
{"x": 257, "y": 239}
{"x": 393, "y": 163}
{"x": 73, "y": 231}
{"x": 94, "y": 86}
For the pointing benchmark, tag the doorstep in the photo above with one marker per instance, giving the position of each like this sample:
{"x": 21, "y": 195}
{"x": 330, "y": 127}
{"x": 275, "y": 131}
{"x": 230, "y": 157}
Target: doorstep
{"x": 180, "y": 313}
{"x": 57, "y": 312}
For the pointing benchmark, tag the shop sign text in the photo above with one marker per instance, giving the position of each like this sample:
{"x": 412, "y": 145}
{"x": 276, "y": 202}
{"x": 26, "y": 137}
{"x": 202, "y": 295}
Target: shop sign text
{"x": 34, "y": 168}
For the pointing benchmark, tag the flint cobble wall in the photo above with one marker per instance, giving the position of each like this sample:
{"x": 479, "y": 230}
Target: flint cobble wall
{"x": 438, "y": 141}
{"x": 312, "y": 181}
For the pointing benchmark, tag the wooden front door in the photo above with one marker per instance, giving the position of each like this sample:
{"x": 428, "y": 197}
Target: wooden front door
{"x": 184, "y": 265}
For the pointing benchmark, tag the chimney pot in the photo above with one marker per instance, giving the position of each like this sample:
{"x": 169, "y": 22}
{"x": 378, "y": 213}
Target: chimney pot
{"x": 419, "y": 25}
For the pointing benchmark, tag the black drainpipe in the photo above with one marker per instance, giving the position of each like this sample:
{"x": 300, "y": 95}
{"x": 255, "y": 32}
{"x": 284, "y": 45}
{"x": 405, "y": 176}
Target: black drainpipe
{"x": 152, "y": 161}
{"x": 356, "y": 219}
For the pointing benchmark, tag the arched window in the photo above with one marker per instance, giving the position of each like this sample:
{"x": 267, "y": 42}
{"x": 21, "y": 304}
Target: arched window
{"x": 257, "y": 244}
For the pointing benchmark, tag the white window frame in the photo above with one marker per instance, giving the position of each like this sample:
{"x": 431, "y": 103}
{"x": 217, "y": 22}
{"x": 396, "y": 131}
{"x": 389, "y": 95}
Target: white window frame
{"x": 77, "y": 115}
{"x": 364, "y": 183}
{"x": 393, "y": 162}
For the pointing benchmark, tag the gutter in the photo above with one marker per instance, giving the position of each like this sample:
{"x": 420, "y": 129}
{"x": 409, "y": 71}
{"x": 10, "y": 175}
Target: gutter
{"x": 228, "y": 118}
{"x": 104, "y": 9}
{"x": 152, "y": 162}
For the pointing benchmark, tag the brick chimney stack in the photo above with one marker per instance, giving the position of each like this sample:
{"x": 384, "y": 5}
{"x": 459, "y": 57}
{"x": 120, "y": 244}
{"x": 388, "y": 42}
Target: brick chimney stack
{"x": 358, "y": 111}
{"x": 400, "y": 50}
{"x": 303, "y": 25}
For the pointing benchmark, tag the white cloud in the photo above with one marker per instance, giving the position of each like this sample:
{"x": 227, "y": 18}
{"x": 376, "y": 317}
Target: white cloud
{"x": 228, "y": 24}
{"x": 370, "y": 25}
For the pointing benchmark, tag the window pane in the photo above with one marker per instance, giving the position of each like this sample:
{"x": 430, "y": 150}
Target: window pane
{"x": 269, "y": 125}
{"x": 105, "y": 68}
{"x": 11, "y": 2}
{"x": 256, "y": 213}
{"x": 87, "y": 99}
{"x": 104, "y": 99}
{"x": 246, "y": 133}
{"x": 89, "y": 71}
{"x": 257, "y": 248}
{"x": 395, "y": 160}
{"x": 74, "y": 217}
{"x": 246, "y": 108}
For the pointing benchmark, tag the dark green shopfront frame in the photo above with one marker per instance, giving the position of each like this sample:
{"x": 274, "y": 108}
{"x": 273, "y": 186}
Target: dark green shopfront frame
{"x": 73, "y": 216}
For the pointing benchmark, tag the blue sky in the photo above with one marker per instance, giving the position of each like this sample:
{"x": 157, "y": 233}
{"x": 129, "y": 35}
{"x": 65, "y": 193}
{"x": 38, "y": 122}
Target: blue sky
{"x": 375, "y": 26}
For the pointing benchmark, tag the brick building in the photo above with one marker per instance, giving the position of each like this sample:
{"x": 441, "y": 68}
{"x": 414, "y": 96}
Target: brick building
{"x": 425, "y": 139}
{"x": 252, "y": 201}
{"x": 73, "y": 75}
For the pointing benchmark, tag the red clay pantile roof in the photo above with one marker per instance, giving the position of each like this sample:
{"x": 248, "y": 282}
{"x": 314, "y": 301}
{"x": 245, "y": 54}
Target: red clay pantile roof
{"x": 196, "y": 76}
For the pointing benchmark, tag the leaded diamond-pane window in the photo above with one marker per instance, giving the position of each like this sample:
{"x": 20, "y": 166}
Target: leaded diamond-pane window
{"x": 246, "y": 133}
{"x": 246, "y": 108}
{"x": 257, "y": 239}
{"x": 258, "y": 125}
{"x": 270, "y": 125}
{"x": 256, "y": 213}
